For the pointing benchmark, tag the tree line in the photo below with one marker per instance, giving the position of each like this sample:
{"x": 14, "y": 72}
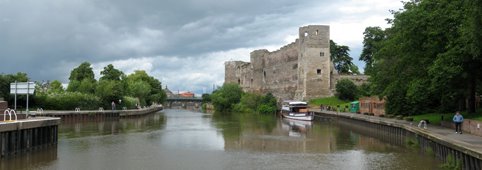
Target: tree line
{"x": 231, "y": 98}
{"x": 85, "y": 92}
{"x": 429, "y": 59}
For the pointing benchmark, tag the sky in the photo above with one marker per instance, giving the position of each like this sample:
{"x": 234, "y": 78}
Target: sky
{"x": 182, "y": 43}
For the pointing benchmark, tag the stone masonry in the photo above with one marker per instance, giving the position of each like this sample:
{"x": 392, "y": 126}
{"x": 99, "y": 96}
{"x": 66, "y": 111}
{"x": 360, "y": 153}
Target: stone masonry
{"x": 301, "y": 70}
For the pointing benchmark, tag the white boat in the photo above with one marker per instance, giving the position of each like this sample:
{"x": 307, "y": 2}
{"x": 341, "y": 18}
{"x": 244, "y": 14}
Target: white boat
{"x": 297, "y": 110}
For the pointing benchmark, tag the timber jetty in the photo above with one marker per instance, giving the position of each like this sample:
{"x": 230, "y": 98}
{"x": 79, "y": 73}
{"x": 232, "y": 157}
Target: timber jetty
{"x": 26, "y": 135}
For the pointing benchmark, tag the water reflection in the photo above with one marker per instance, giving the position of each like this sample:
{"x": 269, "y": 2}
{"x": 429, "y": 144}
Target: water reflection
{"x": 32, "y": 160}
{"x": 180, "y": 139}
{"x": 296, "y": 128}
{"x": 75, "y": 129}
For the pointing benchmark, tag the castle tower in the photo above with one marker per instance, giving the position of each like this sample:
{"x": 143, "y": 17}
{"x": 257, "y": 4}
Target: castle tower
{"x": 314, "y": 62}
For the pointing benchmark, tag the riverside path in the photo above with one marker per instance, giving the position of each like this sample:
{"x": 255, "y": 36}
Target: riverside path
{"x": 465, "y": 147}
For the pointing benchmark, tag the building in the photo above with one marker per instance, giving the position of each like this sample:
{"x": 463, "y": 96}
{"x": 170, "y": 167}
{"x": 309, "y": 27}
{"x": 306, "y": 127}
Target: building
{"x": 372, "y": 105}
{"x": 186, "y": 94}
{"x": 301, "y": 70}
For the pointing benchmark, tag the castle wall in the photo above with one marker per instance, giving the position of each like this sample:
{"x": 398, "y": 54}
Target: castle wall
{"x": 301, "y": 70}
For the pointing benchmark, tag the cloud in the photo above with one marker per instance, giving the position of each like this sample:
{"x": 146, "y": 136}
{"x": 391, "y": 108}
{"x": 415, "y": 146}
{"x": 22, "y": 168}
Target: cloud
{"x": 182, "y": 43}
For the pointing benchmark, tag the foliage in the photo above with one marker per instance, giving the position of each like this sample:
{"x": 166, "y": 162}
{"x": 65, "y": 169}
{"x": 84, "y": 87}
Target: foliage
{"x": 110, "y": 73}
{"x": 129, "y": 102}
{"x": 146, "y": 88}
{"x": 452, "y": 163}
{"x": 268, "y": 104}
{"x": 109, "y": 90}
{"x": 372, "y": 37}
{"x": 429, "y": 59}
{"x": 341, "y": 59}
{"x": 206, "y": 98}
{"x": 55, "y": 87}
{"x": 226, "y": 97}
{"x": 82, "y": 79}
{"x": 328, "y": 101}
{"x": 346, "y": 89}
{"x": 5, "y": 80}
{"x": 364, "y": 90}
{"x": 139, "y": 89}
{"x": 67, "y": 101}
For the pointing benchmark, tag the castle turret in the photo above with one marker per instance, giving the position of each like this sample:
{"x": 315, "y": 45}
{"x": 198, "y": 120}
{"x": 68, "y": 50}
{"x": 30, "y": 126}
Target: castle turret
{"x": 314, "y": 62}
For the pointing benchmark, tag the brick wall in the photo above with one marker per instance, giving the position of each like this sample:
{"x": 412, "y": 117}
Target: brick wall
{"x": 3, "y": 106}
{"x": 469, "y": 126}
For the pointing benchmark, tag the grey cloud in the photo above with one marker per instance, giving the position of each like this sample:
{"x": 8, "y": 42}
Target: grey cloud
{"x": 48, "y": 38}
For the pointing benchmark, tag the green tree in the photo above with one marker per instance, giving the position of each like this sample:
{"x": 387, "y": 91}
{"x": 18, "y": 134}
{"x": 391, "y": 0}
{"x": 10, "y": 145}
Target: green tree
{"x": 111, "y": 73}
{"x": 109, "y": 90}
{"x": 5, "y": 80}
{"x": 206, "y": 98}
{"x": 346, "y": 89}
{"x": 82, "y": 79}
{"x": 226, "y": 97}
{"x": 139, "y": 89}
{"x": 341, "y": 58}
{"x": 430, "y": 57}
{"x": 372, "y": 37}
{"x": 55, "y": 87}
{"x": 155, "y": 93}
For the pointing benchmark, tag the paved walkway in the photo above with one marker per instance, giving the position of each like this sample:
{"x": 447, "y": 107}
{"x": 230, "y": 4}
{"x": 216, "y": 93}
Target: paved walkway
{"x": 466, "y": 141}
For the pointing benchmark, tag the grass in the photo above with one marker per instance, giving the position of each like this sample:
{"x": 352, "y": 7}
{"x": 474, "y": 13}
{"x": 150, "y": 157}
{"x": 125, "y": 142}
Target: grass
{"x": 436, "y": 118}
{"x": 433, "y": 118}
{"x": 329, "y": 101}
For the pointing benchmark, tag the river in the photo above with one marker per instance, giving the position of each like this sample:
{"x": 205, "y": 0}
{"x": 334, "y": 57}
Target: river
{"x": 181, "y": 139}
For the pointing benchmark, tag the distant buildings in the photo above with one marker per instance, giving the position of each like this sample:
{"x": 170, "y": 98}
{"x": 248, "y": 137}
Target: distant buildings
{"x": 183, "y": 94}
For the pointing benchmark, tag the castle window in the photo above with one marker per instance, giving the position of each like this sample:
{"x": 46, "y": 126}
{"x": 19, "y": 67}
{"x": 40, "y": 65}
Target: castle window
{"x": 251, "y": 81}
{"x": 316, "y": 33}
{"x": 295, "y": 66}
{"x": 322, "y": 54}
{"x": 264, "y": 74}
{"x": 239, "y": 81}
{"x": 306, "y": 34}
{"x": 318, "y": 71}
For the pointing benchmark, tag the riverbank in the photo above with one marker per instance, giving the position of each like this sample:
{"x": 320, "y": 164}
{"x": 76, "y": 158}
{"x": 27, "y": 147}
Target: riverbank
{"x": 463, "y": 143}
{"x": 107, "y": 113}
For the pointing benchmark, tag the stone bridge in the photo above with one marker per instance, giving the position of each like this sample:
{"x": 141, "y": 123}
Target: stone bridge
{"x": 183, "y": 102}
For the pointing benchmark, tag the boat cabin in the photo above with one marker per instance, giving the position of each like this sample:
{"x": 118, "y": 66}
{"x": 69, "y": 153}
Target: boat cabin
{"x": 295, "y": 106}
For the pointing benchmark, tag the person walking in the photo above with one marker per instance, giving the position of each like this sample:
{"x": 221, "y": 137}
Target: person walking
{"x": 458, "y": 119}
{"x": 113, "y": 105}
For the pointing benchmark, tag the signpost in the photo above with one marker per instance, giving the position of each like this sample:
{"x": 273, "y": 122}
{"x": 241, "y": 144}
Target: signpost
{"x": 22, "y": 88}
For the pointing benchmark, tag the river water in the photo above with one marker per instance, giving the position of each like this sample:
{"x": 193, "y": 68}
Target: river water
{"x": 181, "y": 139}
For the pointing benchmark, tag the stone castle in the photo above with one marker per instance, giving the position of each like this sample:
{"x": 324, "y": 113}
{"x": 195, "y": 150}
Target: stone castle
{"x": 301, "y": 70}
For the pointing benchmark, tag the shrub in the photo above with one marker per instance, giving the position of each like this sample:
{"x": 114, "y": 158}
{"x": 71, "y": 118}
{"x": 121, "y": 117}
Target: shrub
{"x": 67, "y": 101}
{"x": 129, "y": 102}
{"x": 266, "y": 109}
{"x": 346, "y": 89}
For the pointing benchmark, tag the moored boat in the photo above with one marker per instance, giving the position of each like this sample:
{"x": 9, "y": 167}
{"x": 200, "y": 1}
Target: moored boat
{"x": 297, "y": 110}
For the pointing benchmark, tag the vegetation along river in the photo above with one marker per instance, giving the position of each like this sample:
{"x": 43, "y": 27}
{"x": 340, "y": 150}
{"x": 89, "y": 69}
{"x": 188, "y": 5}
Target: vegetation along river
{"x": 181, "y": 139}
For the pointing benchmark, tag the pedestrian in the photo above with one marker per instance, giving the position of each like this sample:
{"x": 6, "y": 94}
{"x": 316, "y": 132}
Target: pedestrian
{"x": 458, "y": 119}
{"x": 113, "y": 105}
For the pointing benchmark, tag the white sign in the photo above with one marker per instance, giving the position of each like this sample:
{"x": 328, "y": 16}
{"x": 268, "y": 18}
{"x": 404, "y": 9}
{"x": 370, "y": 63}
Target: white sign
{"x": 22, "y": 88}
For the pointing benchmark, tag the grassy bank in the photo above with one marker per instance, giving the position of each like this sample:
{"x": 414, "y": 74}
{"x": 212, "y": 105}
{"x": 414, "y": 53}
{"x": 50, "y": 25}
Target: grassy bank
{"x": 436, "y": 118}
{"x": 328, "y": 101}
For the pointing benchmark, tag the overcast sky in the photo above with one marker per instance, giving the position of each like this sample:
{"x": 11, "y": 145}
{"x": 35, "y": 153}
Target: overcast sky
{"x": 183, "y": 43}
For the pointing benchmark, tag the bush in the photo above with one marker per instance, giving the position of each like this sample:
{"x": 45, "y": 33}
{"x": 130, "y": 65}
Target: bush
{"x": 226, "y": 97}
{"x": 67, "y": 101}
{"x": 266, "y": 109}
{"x": 129, "y": 102}
{"x": 346, "y": 89}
